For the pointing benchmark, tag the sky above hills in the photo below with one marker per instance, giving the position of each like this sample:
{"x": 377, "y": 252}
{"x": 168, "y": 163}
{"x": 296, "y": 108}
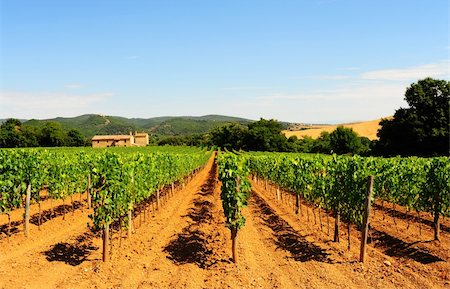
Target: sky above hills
{"x": 300, "y": 61}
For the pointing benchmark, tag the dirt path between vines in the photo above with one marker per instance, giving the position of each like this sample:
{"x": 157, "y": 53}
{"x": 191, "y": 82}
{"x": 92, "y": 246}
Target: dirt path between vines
{"x": 396, "y": 258}
{"x": 185, "y": 244}
{"x": 50, "y": 208}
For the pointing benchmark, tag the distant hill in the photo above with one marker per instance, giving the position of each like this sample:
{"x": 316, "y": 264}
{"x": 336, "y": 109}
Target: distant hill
{"x": 368, "y": 129}
{"x": 92, "y": 124}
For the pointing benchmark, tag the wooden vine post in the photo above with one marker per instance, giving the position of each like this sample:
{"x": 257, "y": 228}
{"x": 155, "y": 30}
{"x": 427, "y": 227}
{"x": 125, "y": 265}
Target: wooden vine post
{"x": 89, "y": 188}
{"x": 9, "y": 225}
{"x": 27, "y": 210}
{"x": 234, "y": 229}
{"x": 348, "y": 233}
{"x": 130, "y": 222}
{"x": 337, "y": 217}
{"x": 233, "y": 244}
{"x": 437, "y": 211}
{"x": 157, "y": 199}
{"x": 365, "y": 225}
{"x": 105, "y": 256}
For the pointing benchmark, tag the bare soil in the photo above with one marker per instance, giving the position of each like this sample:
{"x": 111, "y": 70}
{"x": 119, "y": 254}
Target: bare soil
{"x": 184, "y": 244}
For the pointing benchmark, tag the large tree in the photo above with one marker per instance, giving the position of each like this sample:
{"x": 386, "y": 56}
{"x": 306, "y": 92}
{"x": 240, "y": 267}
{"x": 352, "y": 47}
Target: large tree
{"x": 262, "y": 135}
{"x": 265, "y": 135}
{"x": 11, "y": 134}
{"x": 423, "y": 128}
{"x": 52, "y": 135}
{"x": 229, "y": 136}
{"x": 75, "y": 138}
{"x": 344, "y": 140}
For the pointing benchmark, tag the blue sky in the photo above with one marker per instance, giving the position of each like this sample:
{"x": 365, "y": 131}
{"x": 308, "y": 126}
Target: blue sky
{"x": 300, "y": 61}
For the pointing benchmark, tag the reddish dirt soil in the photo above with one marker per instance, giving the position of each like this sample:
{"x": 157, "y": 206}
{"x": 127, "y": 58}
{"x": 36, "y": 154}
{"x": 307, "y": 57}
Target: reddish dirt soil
{"x": 185, "y": 244}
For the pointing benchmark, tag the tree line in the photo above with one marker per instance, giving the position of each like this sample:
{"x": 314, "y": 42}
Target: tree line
{"x": 266, "y": 135}
{"x": 14, "y": 134}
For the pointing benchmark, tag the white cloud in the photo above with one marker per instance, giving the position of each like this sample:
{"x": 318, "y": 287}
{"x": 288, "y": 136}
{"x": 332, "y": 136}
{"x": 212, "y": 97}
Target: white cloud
{"x": 349, "y": 68}
{"x": 73, "y": 86}
{"x": 354, "y": 91}
{"x": 350, "y": 101}
{"x": 361, "y": 96}
{"x": 436, "y": 70}
{"x": 45, "y": 105}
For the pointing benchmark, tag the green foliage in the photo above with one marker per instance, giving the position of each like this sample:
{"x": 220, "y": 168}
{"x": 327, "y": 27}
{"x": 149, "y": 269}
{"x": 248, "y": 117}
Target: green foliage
{"x": 346, "y": 141}
{"x": 230, "y": 136}
{"x": 18, "y": 168}
{"x": 92, "y": 124}
{"x": 262, "y": 135}
{"x": 233, "y": 172}
{"x": 75, "y": 138}
{"x": 121, "y": 180}
{"x": 121, "y": 177}
{"x": 187, "y": 140}
{"x": 322, "y": 144}
{"x": 52, "y": 135}
{"x": 14, "y": 134}
{"x": 437, "y": 187}
{"x": 10, "y": 134}
{"x": 423, "y": 128}
{"x": 265, "y": 135}
{"x": 339, "y": 183}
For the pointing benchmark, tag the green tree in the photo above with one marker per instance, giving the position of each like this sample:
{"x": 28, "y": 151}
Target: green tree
{"x": 265, "y": 135}
{"x": 230, "y": 136}
{"x": 10, "y": 134}
{"x": 75, "y": 138}
{"x": 31, "y": 136}
{"x": 322, "y": 144}
{"x": 345, "y": 141}
{"x": 423, "y": 128}
{"x": 52, "y": 135}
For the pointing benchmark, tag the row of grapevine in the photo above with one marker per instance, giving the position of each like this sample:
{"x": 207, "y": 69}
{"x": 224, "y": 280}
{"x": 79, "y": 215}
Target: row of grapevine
{"x": 116, "y": 179}
{"x": 26, "y": 172}
{"x": 120, "y": 182}
{"x": 338, "y": 184}
{"x": 235, "y": 191}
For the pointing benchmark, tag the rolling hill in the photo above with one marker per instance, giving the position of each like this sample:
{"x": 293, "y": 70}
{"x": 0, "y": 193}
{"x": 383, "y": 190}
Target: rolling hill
{"x": 92, "y": 124}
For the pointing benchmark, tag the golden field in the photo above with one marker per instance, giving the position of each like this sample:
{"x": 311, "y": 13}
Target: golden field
{"x": 368, "y": 129}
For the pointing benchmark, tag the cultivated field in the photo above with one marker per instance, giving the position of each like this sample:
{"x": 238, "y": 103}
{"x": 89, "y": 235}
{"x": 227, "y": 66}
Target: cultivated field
{"x": 183, "y": 243}
{"x": 366, "y": 128}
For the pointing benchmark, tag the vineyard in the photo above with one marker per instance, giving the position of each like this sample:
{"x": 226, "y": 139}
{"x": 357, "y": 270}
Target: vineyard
{"x": 339, "y": 184}
{"x": 190, "y": 218}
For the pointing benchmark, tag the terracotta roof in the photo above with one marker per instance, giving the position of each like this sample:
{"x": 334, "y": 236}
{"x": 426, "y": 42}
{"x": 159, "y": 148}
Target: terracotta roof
{"x": 111, "y": 137}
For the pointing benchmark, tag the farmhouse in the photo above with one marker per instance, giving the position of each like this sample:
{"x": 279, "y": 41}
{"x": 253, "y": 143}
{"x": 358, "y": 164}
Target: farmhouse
{"x": 141, "y": 139}
{"x": 104, "y": 141}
